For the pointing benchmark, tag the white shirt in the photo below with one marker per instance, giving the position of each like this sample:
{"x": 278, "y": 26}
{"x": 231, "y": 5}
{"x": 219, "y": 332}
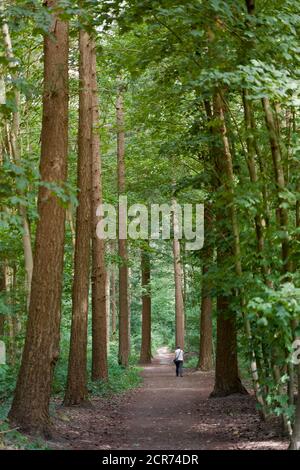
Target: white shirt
{"x": 179, "y": 355}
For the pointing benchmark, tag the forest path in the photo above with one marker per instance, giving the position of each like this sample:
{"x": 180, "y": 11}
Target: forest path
{"x": 171, "y": 412}
{"x": 167, "y": 412}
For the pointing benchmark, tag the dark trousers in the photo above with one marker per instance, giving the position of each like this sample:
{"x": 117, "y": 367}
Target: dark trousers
{"x": 179, "y": 368}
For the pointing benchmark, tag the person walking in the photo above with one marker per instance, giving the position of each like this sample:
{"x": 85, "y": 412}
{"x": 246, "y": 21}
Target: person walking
{"x": 178, "y": 361}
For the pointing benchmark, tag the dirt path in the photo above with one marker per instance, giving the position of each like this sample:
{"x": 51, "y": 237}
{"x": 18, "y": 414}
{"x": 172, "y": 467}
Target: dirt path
{"x": 168, "y": 413}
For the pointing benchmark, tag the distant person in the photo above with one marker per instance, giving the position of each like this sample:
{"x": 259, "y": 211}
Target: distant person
{"x": 178, "y": 361}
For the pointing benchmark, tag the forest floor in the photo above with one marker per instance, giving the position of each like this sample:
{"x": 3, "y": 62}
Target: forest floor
{"x": 167, "y": 412}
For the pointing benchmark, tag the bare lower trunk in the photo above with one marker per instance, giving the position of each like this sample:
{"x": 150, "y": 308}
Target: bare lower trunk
{"x": 76, "y": 390}
{"x": 123, "y": 269}
{"x": 206, "y": 338}
{"x": 99, "y": 314}
{"x": 280, "y": 182}
{"x": 16, "y": 155}
{"x": 227, "y": 379}
{"x": 13, "y": 321}
{"x": 107, "y": 290}
{"x": 30, "y": 407}
{"x": 145, "y": 356}
{"x": 2, "y": 291}
{"x": 113, "y": 302}
{"x": 179, "y": 304}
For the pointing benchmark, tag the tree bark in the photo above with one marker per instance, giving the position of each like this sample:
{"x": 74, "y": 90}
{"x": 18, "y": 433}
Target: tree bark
{"x": 145, "y": 356}
{"x": 206, "y": 333}
{"x": 76, "y": 390}
{"x": 122, "y": 243}
{"x": 179, "y": 304}
{"x": 113, "y": 302}
{"x": 280, "y": 181}
{"x": 2, "y": 291}
{"x": 99, "y": 312}
{"x": 227, "y": 380}
{"x": 30, "y": 407}
{"x": 108, "y": 305}
{"x": 16, "y": 156}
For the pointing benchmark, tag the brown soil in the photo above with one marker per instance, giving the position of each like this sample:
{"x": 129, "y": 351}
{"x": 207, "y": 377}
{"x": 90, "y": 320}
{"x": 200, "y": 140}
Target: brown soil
{"x": 167, "y": 412}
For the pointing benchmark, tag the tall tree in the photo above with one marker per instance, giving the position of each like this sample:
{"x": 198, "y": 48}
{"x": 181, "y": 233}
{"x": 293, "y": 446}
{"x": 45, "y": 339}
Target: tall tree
{"x": 179, "y": 304}
{"x": 206, "y": 332}
{"x": 113, "y": 302}
{"x": 2, "y": 291}
{"x": 30, "y": 407}
{"x": 122, "y": 243}
{"x": 145, "y": 356}
{"x": 76, "y": 390}
{"x": 227, "y": 379}
{"x": 14, "y": 135}
{"x": 99, "y": 307}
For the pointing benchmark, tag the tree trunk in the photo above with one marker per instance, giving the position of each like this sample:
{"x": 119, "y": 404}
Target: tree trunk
{"x": 179, "y": 305}
{"x": 69, "y": 215}
{"x": 2, "y": 291}
{"x": 206, "y": 338}
{"x": 145, "y": 356}
{"x": 108, "y": 303}
{"x": 16, "y": 156}
{"x": 295, "y": 439}
{"x": 30, "y": 407}
{"x": 12, "y": 319}
{"x": 280, "y": 182}
{"x": 123, "y": 269}
{"x": 227, "y": 379}
{"x": 99, "y": 315}
{"x": 113, "y": 302}
{"x": 76, "y": 390}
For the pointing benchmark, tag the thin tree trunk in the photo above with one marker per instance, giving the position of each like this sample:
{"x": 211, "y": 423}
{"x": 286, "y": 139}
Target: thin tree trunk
{"x": 16, "y": 155}
{"x": 76, "y": 390}
{"x": 280, "y": 182}
{"x": 206, "y": 333}
{"x": 123, "y": 269}
{"x": 179, "y": 305}
{"x": 129, "y": 307}
{"x": 69, "y": 216}
{"x": 295, "y": 438}
{"x": 113, "y": 302}
{"x": 283, "y": 221}
{"x": 13, "y": 319}
{"x": 2, "y": 291}
{"x": 108, "y": 303}
{"x": 259, "y": 221}
{"x": 99, "y": 313}
{"x": 30, "y": 407}
{"x": 145, "y": 356}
